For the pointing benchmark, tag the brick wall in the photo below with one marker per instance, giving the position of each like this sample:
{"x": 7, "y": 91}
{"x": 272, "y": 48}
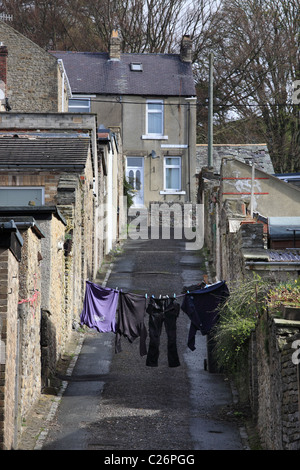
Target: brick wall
{"x": 9, "y": 281}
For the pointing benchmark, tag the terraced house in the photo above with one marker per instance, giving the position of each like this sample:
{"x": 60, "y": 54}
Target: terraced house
{"x": 149, "y": 101}
{"x": 53, "y": 182}
{"x": 71, "y": 126}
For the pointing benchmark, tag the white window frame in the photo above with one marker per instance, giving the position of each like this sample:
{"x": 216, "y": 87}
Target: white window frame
{"x": 20, "y": 188}
{"x": 166, "y": 167}
{"x": 159, "y": 135}
{"x": 85, "y": 109}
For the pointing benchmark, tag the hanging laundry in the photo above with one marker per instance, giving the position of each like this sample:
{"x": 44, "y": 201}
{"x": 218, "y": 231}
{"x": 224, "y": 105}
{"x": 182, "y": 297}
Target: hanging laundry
{"x": 99, "y": 308}
{"x": 200, "y": 285}
{"x": 193, "y": 287}
{"x": 164, "y": 310}
{"x": 130, "y": 323}
{"x": 201, "y": 307}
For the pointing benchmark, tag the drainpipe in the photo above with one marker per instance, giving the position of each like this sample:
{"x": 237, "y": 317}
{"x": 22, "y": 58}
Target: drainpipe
{"x": 191, "y": 140}
{"x": 252, "y": 189}
{"x": 210, "y": 112}
{"x": 189, "y": 151}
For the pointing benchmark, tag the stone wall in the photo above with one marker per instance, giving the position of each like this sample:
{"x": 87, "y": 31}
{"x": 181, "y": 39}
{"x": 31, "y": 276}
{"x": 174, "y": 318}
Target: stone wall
{"x": 9, "y": 295}
{"x": 76, "y": 202}
{"x": 56, "y": 271}
{"x": 269, "y": 379}
{"x": 46, "y": 179}
{"x": 29, "y": 309}
{"x": 243, "y": 152}
{"x": 88, "y": 222}
{"x": 275, "y": 395}
{"x": 56, "y": 321}
{"x": 32, "y": 74}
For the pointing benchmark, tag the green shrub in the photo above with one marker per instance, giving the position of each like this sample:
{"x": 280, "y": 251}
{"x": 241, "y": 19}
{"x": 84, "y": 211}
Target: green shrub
{"x": 128, "y": 191}
{"x": 239, "y": 314}
{"x": 238, "y": 317}
{"x": 285, "y": 293}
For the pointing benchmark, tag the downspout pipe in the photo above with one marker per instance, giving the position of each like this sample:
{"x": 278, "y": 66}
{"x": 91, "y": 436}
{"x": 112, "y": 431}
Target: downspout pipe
{"x": 210, "y": 113}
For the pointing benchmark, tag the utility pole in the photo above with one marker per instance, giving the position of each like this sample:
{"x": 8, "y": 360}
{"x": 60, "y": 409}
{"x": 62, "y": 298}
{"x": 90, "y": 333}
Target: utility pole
{"x": 210, "y": 112}
{"x": 252, "y": 188}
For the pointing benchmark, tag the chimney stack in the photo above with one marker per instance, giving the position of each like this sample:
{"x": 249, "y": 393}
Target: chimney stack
{"x": 115, "y": 46}
{"x": 186, "y": 49}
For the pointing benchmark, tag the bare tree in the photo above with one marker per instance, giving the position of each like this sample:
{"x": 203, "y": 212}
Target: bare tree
{"x": 256, "y": 60}
{"x": 56, "y": 24}
{"x": 255, "y": 45}
{"x": 144, "y": 25}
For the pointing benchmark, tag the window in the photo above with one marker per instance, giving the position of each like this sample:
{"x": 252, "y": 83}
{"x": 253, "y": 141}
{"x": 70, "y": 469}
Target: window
{"x": 22, "y": 196}
{"x": 155, "y": 118}
{"x": 77, "y": 105}
{"x": 135, "y": 161}
{"x": 172, "y": 174}
{"x": 136, "y": 67}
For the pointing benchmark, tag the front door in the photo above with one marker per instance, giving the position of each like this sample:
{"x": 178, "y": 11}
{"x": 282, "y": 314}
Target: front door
{"x": 135, "y": 176}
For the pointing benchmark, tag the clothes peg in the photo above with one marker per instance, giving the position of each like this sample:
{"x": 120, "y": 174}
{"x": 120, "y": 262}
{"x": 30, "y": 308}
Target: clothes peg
{"x": 174, "y": 296}
{"x": 146, "y": 295}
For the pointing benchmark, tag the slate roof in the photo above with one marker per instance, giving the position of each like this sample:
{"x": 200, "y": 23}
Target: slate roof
{"x": 37, "y": 212}
{"x": 287, "y": 255}
{"x": 95, "y": 73}
{"x": 23, "y": 150}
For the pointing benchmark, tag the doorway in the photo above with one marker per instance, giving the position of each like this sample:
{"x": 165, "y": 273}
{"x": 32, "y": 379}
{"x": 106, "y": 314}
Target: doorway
{"x": 135, "y": 177}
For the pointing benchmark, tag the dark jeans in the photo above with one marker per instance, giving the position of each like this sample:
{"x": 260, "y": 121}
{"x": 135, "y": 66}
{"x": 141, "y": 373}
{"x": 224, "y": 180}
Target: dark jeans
{"x": 161, "y": 311}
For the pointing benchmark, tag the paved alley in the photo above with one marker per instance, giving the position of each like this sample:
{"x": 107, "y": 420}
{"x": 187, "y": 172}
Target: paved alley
{"x": 114, "y": 402}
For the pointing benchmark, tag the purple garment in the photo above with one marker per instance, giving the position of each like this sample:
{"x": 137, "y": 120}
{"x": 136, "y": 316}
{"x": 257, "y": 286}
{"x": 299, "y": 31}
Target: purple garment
{"x": 99, "y": 308}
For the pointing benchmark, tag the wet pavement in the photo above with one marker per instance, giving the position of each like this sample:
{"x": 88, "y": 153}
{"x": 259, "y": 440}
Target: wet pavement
{"x": 114, "y": 402}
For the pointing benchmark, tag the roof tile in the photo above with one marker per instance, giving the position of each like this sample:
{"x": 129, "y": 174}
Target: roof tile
{"x": 26, "y": 151}
{"x": 94, "y": 72}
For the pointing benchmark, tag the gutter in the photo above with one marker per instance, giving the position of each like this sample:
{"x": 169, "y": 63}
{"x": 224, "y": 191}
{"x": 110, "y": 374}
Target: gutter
{"x": 281, "y": 266}
{"x": 54, "y": 167}
{"x": 25, "y": 225}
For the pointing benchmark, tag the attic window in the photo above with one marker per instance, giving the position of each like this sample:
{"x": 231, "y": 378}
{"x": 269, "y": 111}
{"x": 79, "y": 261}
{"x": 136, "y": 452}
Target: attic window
{"x": 136, "y": 67}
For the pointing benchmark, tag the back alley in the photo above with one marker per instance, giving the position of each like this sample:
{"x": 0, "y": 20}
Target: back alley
{"x": 114, "y": 402}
